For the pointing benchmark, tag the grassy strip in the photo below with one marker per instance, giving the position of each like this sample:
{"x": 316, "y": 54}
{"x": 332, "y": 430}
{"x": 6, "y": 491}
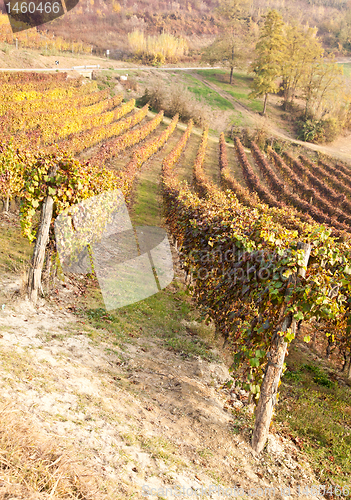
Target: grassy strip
{"x": 316, "y": 412}
{"x": 15, "y": 250}
{"x": 240, "y": 90}
{"x": 159, "y": 316}
{"x": 206, "y": 95}
{"x": 347, "y": 70}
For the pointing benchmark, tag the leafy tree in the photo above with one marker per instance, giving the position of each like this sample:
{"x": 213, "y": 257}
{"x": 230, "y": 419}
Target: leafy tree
{"x": 270, "y": 55}
{"x": 232, "y": 10}
{"x": 230, "y": 48}
{"x": 322, "y": 83}
{"x": 232, "y": 45}
{"x": 302, "y": 49}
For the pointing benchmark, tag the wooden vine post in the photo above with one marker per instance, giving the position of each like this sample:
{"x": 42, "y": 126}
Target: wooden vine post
{"x": 7, "y": 203}
{"x": 276, "y": 356}
{"x": 42, "y": 237}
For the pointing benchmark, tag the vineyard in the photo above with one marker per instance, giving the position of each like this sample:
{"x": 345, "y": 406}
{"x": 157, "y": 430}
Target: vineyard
{"x": 263, "y": 238}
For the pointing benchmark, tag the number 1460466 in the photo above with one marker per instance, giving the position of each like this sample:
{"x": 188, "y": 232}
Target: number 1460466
{"x": 31, "y": 7}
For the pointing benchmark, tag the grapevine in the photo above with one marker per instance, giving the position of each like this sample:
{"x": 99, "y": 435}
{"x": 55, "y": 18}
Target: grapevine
{"x": 112, "y": 148}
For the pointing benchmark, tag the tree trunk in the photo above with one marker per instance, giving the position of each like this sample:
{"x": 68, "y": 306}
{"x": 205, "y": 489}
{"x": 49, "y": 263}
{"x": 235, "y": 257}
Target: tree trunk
{"x": 306, "y": 107}
{"x": 35, "y": 272}
{"x": 231, "y": 75}
{"x": 7, "y": 203}
{"x": 276, "y": 356}
{"x": 329, "y": 348}
{"x": 344, "y": 364}
{"x": 34, "y": 278}
{"x": 265, "y": 104}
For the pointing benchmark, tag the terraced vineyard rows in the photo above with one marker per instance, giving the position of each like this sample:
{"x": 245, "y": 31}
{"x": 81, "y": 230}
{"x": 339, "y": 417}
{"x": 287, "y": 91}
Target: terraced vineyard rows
{"x": 88, "y": 117}
{"x": 282, "y": 186}
{"x": 332, "y": 177}
{"x": 227, "y": 244}
{"x": 67, "y": 112}
{"x": 286, "y": 195}
{"x": 112, "y": 148}
{"x": 246, "y": 247}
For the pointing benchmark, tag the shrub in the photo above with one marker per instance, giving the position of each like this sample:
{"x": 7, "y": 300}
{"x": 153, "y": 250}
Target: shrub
{"x": 258, "y": 135}
{"x": 312, "y": 130}
{"x": 174, "y": 99}
{"x": 156, "y": 50}
{"x": 331, "y": 128}
{"x": 129, "y": 84}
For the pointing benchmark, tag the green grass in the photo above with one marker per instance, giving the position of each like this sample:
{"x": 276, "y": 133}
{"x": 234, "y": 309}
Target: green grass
{"x": 160, "y": 315}
{"x": 318, "y": 411}
{"x": 159, "y": 447}
{"x": 146, "y": 210}
{"x": 15, "y": 250}
{"x": 239, "y": 90}
{"x": 205, "y": 94}
{"x": 157, "y": 316}
{"x": 210, "y": 73}
{"x": 189, "y": 348}
{"x": 347, "y": 69}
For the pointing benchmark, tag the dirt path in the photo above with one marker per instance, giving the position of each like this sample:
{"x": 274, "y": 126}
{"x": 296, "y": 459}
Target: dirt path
{"x": 340, "y": 148}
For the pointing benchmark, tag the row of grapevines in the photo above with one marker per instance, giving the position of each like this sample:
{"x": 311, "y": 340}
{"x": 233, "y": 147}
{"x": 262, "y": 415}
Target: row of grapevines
{"x": 148, "y": 149}
{"x": 76, "y": 143}
{"x": 23, "y": 90}
{"x": 251, "y": 179}
{"x": 332, "y": 180}
{"x": 52, "y": 131}
{"x": 173, "y": 157}
{"x": 73, "y": 182}
{"x": 79, "y": 142}
{"x": 67, "y": 91}
{"x": 292, "y": 219}
{"x": 112, "y": 148}
{"x": 201, "y": 183}
{"x": 345, "y": 170}
{"x": 240, "y": 260}
{"x": 12, "y": 169}
{"x": 324, "y": 190}
{"x": 340, "y": 175}
{"x": 305, "y": 206}
{"x": 39, "y": 105}
{"x": 30, "y": 77}
{"x": 325, "y": 212}
{"x": 228, "y": 181}
{"x": 281, "y": 189}
{"x": 67, "y": 112}
{"x": 12, "y": 164}
{"x": 25, "y": 175}
{"x": 206, "y": 188}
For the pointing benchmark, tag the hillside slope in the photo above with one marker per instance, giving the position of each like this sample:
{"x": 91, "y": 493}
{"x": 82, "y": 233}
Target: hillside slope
{"x": 136, "y": 402}
{"x": 105, "y": 23}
